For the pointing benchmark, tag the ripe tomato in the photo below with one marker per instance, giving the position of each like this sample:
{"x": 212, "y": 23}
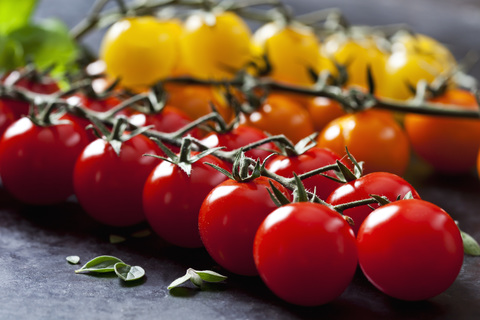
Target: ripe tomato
{"x": 322, "y": 111}
{"x": 94, "y": 104}
{"x": 37, "y": 161}
{"x": 450, "y": 145}
{"x": 410, "y": 249}
{"x": 413, "y": 58}
{"x": 215, "y": 45}
{"x": 239, "y": 137}
{"x": 384, "y": 184}
{"x": 139, "y": 50}
{"x": 109, "y": 186}
{"x": 356, "y": 52}
{"x": 291, "y": 50}
{"x": 195, "y": 100}
{"x": 281, "y": 115}
{"x": 311, "y": 159}
{"x": 6, "y": 117}
{"x": 372, "y": 136}
{"x": 43, "y": 85}
{"x": 170, "y": 119}
{"x": 172, "y": 199}
{"x": 305, "y": 253}
{"x": 229, "y": 218}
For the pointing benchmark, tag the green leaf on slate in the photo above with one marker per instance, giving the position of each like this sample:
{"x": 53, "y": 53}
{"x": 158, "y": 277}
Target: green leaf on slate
{"x": 470, "y": 245}
{"x": 127, "y": 272}
{"x": 73, "y": 259}
{"x": 100, "y": 264}
{"x": 197, "y": 277}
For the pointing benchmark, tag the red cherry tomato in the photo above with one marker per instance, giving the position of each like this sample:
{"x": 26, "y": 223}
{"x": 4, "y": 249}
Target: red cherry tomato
{"x": 384, "y": 184}
{"x": 172, "y": 199}
{"x": 6, "y": 117}
{"x": 44, "y": 86}
{"x": 37, "y": 161}
{"x": 305, "y": 253}
{"x": 410, "y": 249}
{"x": 98, "y": 105}
{"x": 109, "y": 186}
{"x": 240, "y": 137}
{"x": 311, "y": 159}
{"x": 229, "y": 218}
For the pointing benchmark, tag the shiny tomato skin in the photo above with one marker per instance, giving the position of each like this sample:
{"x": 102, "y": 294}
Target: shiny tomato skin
{"x": 410, "y": 249}
{"x": 305, "y": 253}
{"x": 172, "y": 199}
{"x": 311, "y": 159}
{"x": 6, "y": 117}
{"x": 384, "y": 184}
{"x": 448, "y": 144}
{"x": 240, "y": 137}
{"x": 37, "y": 162}
{"x": 98, "y": 105}
{"x": 229, "y": 218}
{"x": 109, "y": 187}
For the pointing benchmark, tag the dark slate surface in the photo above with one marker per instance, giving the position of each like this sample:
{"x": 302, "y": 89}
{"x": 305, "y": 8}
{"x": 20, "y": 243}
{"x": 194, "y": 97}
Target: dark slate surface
{"x": 36, "y": 282}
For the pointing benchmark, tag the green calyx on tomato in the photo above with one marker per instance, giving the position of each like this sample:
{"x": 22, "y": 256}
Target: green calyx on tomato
{"x": 185, "y": 158}
{"x": 244, "y": 169}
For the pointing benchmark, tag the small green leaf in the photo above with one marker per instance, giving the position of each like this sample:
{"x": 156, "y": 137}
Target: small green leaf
{"x": 127, "y": 272}
{"x": 114, "y": 238}
{"x": 11, "y": 54}
{"x": 197, "y": 278}
{"x": 179, "y": 281}
{"x": 15, "y": 14}
{"x": 142, "y": 233}
{"x": 73, "y": 259}
{"x": 210, "y": 276}
{"x": 470, "y": 245}
{"x": 100, "y": 264}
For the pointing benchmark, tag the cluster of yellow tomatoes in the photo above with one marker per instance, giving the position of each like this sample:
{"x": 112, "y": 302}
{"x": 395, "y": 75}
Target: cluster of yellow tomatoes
{"x": 216, "y": 44}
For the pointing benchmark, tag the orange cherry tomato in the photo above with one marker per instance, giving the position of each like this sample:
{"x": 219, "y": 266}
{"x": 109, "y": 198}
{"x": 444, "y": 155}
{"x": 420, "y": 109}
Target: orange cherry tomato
{"x": 281, "y": 115}
{"x": 372, "y": 136}
{"x": 195, "y": 100}
{"x": 450, "y": 145}
{"x": 323, "y": 110}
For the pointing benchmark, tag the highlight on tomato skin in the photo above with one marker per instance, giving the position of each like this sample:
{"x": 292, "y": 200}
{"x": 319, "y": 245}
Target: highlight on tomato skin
{"x": 410, "y": 249}
{"x": 306, "y": 253}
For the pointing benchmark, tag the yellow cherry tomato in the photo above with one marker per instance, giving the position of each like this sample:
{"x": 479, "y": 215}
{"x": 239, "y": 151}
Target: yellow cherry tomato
{"x": 372, "y": 136}
{"x": 215, "y": 45}
{"x": 140, "y": 51}
{"x": 414, "y": 58}
{"x": 356, "y": 52}
{"x": 291, "y": 50}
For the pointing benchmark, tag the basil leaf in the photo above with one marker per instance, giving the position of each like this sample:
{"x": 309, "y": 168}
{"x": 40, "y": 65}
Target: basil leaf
{"x": 128, "y": 273}
{"x": 210, "y": 276}
{"x": 100, "y": 264}
{"x": 470, "y": 245}
{"x": 73, "y": 259}
{"x": 47, "y": 44}
{"x": 179, "y": 281}
{"x": 11, "y": 54}
{"x": 15, "y": 14}
{"x": 197, "y": 278}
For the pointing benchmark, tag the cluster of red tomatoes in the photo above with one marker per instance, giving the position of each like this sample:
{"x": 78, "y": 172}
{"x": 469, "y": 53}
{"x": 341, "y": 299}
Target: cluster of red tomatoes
{"x": 305, "y": 252}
